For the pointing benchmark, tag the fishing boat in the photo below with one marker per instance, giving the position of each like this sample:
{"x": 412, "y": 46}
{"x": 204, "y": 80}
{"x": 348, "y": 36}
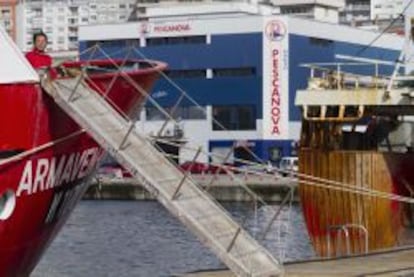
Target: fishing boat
{"x": 356, "y": 152}
{"x": 46, "y": 159}
{"x": 355, "y": 158}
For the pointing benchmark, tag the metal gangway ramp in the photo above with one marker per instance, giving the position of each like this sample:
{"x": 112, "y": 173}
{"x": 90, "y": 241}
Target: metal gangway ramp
{"x": 174, "y": 189}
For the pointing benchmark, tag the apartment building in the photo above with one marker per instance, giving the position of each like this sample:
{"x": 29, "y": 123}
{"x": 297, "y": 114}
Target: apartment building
{"x": 60, "y": 19}
{"x": 242, "y": 70}
{"x": 386, "y": 9}
{"x": 321, "y": 10}
{"x": 8, "y": 16}
{"x": 374, "y": 14}
{"x": 355, "y": 12}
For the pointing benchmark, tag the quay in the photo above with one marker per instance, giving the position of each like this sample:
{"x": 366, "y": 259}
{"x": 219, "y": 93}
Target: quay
{"x": 224, "y": 188}
{"x": 396, "y": 262}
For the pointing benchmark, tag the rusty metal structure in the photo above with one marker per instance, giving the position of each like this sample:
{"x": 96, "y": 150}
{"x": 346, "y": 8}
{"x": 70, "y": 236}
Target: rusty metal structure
{"x": 355, "y": 158}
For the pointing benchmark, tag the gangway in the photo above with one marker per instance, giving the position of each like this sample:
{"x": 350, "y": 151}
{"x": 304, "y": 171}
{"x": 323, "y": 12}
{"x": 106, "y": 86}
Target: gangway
{"x": 174, "y": 189}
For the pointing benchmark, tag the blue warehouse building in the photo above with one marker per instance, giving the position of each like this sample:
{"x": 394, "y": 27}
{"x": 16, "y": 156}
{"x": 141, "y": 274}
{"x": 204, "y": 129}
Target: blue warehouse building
{"x": 243, "y": 71}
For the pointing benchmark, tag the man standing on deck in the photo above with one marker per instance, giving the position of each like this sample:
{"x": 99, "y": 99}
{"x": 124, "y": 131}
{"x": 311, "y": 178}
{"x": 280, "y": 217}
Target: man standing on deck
{"x": 38, "y": 57}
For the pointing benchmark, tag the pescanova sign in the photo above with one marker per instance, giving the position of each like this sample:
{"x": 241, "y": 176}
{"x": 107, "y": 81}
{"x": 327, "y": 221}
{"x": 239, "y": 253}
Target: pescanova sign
{"x": 275, "y": 80}
{"x": 146, "y": 28}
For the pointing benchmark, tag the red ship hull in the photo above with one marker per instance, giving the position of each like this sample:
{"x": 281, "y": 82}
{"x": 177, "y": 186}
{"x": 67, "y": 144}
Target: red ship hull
{"x": 46, "y": 161}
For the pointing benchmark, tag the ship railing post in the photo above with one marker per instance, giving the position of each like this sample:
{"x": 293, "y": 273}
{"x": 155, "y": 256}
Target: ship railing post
{"x": 219, "y": 167}
{"x": 344, "y": 229}
{"x": 83, "y": 74}
{"x": 312, "y": 72}
{"x": 186, "y": 174}
{"x": 339, "y": 230}
{"x": 347, "y": 242}
{"x": 288, "y": 196}
{"x": 338, "y": 76}
{"x": 118, "y": 73}
{"x": 123, "y": 142}
{"x": 328, "y": 243}
{"x": 172, "y": 112}
{"x": 75, "y": 88}
{"x": 236, "y": 234}
{"x": 364, "y": 230}
{"x": 233, "y": 240}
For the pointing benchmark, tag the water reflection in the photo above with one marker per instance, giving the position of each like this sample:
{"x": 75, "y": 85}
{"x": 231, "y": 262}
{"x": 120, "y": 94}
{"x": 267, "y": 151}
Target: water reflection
{"x": 115, "y": 238}
{"x": 126, "y": 238}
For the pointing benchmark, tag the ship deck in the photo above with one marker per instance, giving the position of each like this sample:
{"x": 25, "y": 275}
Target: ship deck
{"x": 397, "y": 262}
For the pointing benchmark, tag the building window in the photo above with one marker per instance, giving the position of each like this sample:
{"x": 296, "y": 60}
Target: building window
{"x": 234, "y": 118}
{"x": 196, "y": 112}
{"x": 186, "y": 73}
{"x": 275, "y": 153}
{"x": 180, "y": 113}
{"x": 154, "y": 114}
{"x": 106, "y": 43}
{"x": 176, "y": 40}
{"x": 132, "y": 43}
{"x": 320, "y": 41}
{"x": 234, "y": 72}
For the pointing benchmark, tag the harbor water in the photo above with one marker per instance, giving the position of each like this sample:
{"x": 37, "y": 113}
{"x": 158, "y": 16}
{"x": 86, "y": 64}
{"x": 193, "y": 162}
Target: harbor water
{"x": 140, "y": 238}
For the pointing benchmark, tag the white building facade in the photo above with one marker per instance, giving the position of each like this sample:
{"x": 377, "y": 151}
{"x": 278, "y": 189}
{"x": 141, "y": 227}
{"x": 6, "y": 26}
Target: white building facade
{"x": 355, "y": 11}
{"x": 386, "y": 9}
{"x": 243, "y": 71}
{"x": 60, "y": 19}
{"x": 321, "y": 10}
{"x": 8, "y": 16}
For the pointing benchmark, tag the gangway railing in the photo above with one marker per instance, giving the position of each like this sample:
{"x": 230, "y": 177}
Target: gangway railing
{"x": 343, "y": 231}
{"x": 178, "y": 193}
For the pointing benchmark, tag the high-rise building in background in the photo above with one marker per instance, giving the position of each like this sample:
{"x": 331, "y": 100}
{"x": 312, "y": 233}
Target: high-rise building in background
{"x": 380, "y": 15}
{"x": 355, "y": 12}
{"x": 321, "y": 10}
{"x": 8, "y": 16}
{"x": 387, "y": 15}
{"x": 60, "y": 19}
{"x": 386, "y": 9}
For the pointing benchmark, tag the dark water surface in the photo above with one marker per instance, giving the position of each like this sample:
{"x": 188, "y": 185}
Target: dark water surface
{"x": 135, "y": 238}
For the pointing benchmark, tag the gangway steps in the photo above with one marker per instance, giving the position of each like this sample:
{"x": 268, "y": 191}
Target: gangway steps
{"x": 162, "y": 178}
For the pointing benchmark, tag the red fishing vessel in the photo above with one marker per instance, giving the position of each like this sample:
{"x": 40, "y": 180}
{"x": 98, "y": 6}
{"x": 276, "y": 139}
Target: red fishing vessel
{"x": 46, "y": 159}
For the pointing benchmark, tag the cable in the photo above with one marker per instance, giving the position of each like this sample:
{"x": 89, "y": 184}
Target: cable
{"x": 193, "y": 101}
{"x": 307, "y": 179}
{"x": 314, "y": 180}
{"x": 385, "y": 30}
